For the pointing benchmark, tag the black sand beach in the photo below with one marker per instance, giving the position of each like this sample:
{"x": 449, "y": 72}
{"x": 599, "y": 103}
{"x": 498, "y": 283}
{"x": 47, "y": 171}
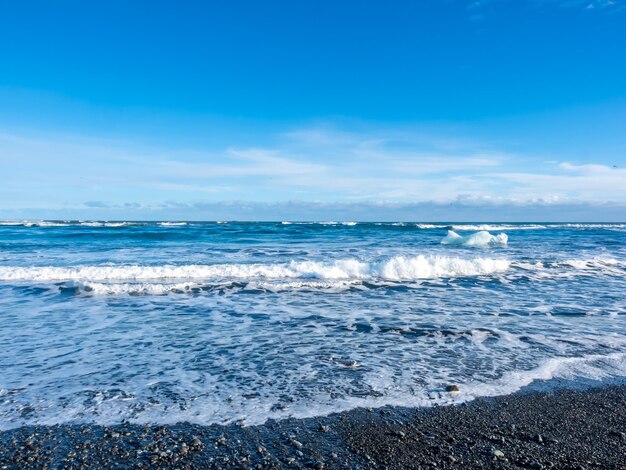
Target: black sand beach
{"x": 565, "y": 429}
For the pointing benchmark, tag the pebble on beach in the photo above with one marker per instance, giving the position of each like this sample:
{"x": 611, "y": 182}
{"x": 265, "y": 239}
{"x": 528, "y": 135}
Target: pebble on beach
{"x": 530, "y": 430}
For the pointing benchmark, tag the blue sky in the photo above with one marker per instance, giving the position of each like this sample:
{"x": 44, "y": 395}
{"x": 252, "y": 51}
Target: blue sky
{"x": 422, "y": 110}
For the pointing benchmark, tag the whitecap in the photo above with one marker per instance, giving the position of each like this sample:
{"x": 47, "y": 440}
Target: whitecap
{"x": 397, "y": 268}
{"x": 430, "y": 226}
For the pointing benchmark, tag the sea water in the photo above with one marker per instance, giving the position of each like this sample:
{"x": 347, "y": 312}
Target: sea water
{"x": 164, "y": 322}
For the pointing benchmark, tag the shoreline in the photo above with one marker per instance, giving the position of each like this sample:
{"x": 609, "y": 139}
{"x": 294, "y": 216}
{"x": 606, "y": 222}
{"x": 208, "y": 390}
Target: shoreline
{"x": 538, "y": 427}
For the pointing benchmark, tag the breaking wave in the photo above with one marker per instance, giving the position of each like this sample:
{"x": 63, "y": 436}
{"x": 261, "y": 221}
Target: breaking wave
{"x": 396, "y": 268}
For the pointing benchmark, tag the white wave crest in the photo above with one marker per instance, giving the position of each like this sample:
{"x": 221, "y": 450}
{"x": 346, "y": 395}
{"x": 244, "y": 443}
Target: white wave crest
{"x": 429, "y": 226}
{"x": 480, "y": 239}
{"x": 43, "y": 223}
{"x": 397, "y": 268}
{"x": 106, "y": 224}
{"x": 592, "y": 264}
{"x": 591, "y": 226}
{"x": 67, "y": 223}
{"x": 498, "y": 227}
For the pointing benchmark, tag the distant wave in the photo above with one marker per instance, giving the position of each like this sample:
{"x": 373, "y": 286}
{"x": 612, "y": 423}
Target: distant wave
{"x": 106, "y": 224}
{"x": 328, "y": 222}
{"x": 422, "y": 226}
{"x": 429, "y": 226}
{"x": 509, "y": 227}
{"x": 498, "y": 227}
{"x": 72, "y": 223}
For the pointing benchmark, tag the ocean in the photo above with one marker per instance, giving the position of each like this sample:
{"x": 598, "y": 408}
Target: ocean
{"x": 229, "y": 322}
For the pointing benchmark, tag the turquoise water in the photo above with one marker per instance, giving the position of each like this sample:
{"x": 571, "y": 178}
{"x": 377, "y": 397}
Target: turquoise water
{"x": 220, "y": 322}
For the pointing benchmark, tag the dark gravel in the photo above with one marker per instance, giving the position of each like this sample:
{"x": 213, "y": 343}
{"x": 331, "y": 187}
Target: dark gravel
{"x": 565, "y": 429}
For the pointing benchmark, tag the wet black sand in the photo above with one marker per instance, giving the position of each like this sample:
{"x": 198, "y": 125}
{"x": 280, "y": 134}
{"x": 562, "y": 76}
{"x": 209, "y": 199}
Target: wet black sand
{"x": 565, "y": 429}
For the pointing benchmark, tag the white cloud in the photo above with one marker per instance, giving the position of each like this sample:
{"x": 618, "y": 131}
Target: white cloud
{"x": 311, "y": 164}
{"x": 607, "y": 5}
{"x": 595, "y": 169}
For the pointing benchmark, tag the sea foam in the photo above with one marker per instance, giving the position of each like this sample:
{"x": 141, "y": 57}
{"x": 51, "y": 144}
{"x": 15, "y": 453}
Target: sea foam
{"x": 314, "y": 319}
{"x": 395, "y": 268}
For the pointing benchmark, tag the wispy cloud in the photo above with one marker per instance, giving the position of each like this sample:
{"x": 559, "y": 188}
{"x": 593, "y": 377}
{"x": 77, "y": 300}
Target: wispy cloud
{"x": 590, "y": 4}
{"x": 318, "y": 164}
{"x": 477, "y": 8}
